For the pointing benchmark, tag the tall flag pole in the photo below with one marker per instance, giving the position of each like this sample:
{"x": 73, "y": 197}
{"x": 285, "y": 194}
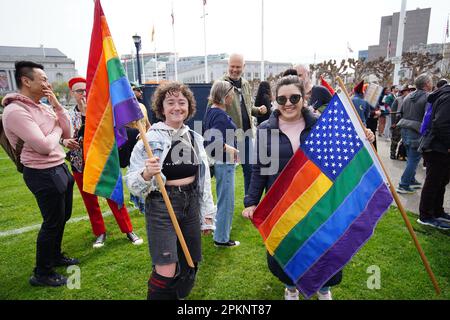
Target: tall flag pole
{"x": 204, "y": 40}
{"x": 400, "y": 38}
{"x": 156, "y": 55}
{"x": 111, "y": 105}
{"x": 263, "y": 69}
{"x": 174, "y": 46}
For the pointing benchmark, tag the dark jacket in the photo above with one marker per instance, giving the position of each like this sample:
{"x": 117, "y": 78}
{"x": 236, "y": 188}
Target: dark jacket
{"x": 438, "y": 138}
{"x": 260, "y": 183}
{"x": 413, "y": 110}
{"x": 263, "y": 100}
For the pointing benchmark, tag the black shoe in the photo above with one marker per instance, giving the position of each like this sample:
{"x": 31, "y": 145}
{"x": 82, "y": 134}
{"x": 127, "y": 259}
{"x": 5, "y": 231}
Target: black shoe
{"x": 228, "y": 244}
{"x": 65, "y": 261}
{"x": 435, "y": 223}
{"x": 393, "y": 157}
{"x": 134, "y": 239}
{"x": 52, "y": 280}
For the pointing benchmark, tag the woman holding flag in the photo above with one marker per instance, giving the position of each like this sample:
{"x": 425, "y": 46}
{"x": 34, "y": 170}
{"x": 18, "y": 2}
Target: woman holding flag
{"x": 293, "y": 123}
{"x": 180, "y": 159}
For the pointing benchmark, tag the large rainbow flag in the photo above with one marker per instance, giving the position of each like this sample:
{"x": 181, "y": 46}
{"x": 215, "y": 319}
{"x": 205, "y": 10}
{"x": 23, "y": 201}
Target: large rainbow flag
{"x": 326, "y": 203}
{"x": 111, "y": 105}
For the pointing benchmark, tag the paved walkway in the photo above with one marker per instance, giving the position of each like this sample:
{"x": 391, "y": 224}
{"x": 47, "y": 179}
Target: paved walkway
{"x": 395, "y": 169}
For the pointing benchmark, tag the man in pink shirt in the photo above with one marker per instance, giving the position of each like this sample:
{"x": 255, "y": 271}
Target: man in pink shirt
{"x": 41, "y": 127}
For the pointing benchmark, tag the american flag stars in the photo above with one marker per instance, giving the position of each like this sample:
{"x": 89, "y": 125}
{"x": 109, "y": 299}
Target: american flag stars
{"x": 333, "y": 142}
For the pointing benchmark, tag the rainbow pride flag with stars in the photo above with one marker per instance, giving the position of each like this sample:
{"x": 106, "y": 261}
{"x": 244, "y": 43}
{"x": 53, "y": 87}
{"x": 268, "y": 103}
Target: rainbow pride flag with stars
{"x": 326, "y": 203}
{"x": 111, "y": 105}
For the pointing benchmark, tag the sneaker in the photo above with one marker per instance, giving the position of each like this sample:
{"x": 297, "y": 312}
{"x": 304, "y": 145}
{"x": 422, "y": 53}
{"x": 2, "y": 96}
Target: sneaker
{"x": 415, "y": 185}
{"x": 324, "y": 295}
{"x": 52, "y": 280}
{"x": 405, "y": 190}
{"x": 393, "y": 157}
{"x": 100, "y": 241}
{"x": 63, "y": 261}
{"x": 291, "y": 294}
{"x": 435, "y": 223}
{"x": 134, "y": 239}
{"x": 444, "y": 217}
{"x": 228, "y": 244}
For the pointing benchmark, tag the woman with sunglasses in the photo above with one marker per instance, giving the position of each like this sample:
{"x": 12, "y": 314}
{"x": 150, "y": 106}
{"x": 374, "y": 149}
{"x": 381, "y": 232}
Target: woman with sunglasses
{"x": 293, "y": 123}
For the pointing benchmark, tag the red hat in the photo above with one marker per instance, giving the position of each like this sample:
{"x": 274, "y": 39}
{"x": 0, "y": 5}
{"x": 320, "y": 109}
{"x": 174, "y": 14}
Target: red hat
{"x": 76, "y": 80}
{"x": 359, "y": 88}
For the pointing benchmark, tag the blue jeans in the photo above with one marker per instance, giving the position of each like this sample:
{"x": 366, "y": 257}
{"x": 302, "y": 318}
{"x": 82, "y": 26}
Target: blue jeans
{"x": 225, "y": 201}
{"x": 411, "y": 142}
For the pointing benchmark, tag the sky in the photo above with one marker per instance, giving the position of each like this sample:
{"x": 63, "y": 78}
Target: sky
{"x": 295, "y": 31}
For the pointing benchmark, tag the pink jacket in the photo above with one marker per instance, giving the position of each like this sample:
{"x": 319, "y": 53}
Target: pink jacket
{"x": 39, "y": 127}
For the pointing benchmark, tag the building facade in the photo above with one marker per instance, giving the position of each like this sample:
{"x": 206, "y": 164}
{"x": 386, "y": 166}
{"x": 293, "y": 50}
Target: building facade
{"x": 57, "y": 66}
{"x": 416, "y": 33}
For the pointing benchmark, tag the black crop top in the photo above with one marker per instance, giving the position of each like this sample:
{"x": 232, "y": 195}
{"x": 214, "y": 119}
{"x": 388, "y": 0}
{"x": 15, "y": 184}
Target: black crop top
{"x": 180, "y": 162}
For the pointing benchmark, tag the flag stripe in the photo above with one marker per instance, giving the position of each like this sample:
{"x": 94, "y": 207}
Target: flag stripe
{"x": 109, "y": 49}
{"x": 108, "y": 178}
{"x": 304, "y": 178}
{"x": 120, "y": 91}
{"x": 99, "y": 152}
{"x": 115, "y": 72}
{"x": 297, "y": 212}
{"x": 332, "y": 230}
{"x": 279, "y": 188}
{"x": 322, "y": 211}
{"x": 347, "y": 246}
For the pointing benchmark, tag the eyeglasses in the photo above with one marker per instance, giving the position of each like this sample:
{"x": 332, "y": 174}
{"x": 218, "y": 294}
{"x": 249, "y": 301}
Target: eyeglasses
{"x": 294, "y": 99}
{"x": 80, "y": 91}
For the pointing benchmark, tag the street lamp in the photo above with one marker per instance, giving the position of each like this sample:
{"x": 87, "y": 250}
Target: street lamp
{"x": 137, "y": 43}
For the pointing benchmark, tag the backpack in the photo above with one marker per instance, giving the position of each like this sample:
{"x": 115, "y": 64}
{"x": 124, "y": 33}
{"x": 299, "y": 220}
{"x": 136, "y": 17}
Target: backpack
{"x": 13, "y": 153}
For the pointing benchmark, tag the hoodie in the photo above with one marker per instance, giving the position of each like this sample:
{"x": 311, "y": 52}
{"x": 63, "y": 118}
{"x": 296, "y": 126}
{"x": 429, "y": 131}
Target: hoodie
{"x": 39, "y": 126}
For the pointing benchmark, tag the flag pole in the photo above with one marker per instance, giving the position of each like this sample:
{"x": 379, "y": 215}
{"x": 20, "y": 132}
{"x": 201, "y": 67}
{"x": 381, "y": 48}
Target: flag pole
{"x": 262, "y": 42}
{"x": 397, "y": 201}
{"x": 163, "y": 191}
{"x": 204, "y": 40}
{"x": 174, "y": 45}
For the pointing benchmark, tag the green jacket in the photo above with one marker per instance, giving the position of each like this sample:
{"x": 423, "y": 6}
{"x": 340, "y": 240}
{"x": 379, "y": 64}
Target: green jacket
{"x": 235, "y": 110}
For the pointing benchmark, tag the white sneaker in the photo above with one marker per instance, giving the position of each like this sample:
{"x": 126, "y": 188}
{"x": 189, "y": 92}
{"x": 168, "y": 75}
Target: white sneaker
{"x": 291, "y": 295}
{"x": 324, "y": 296}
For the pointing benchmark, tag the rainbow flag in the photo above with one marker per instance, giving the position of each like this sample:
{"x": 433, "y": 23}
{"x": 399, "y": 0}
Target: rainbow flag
{"x": 326, "y": 203}
{"x": 111, "y": 105}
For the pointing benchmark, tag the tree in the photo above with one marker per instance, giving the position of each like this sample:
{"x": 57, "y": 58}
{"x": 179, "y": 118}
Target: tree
{"x": 420, "y": 63}
{"x": 383, "y": 69}
{"x": 329, "y": 69}
{"x": 360, "y": 69}
{"x": 62, "y": 91}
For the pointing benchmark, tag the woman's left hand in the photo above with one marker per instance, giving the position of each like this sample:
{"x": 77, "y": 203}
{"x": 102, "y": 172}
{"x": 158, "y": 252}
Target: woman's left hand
{"x": 369, "y": 135}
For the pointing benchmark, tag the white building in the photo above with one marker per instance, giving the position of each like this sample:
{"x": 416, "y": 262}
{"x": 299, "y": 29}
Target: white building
{"x": 57, "y": 66}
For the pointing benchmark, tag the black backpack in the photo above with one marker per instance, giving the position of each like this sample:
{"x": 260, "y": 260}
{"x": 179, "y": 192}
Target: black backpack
{"x": 13, "y": 153}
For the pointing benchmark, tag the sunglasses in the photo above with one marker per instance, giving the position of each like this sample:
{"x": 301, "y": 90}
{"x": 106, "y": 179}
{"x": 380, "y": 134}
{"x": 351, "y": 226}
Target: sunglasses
{"x": 294, "y": 99}
{"x": 80, "y": 91}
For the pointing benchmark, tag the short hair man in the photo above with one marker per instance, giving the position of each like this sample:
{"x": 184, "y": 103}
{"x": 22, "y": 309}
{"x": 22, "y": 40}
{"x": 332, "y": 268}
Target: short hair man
{"x": 242, "y": 111}
{"x": 413, "y": 110}
{"x": 46, "y": 175}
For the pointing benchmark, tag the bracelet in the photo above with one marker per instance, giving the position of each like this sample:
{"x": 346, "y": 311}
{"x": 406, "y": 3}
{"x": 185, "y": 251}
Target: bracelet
{"x": 61, "y": 141}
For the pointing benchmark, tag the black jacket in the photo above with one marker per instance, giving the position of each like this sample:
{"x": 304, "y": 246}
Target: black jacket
{"x": 260, "y": 183}
{"x": 438, "y": 137}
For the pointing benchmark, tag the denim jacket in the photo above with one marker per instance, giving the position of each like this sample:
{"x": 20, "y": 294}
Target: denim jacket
{"x": 160, "y": 139}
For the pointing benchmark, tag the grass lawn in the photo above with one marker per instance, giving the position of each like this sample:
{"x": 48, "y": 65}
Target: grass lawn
{"x": 120, "y": 270}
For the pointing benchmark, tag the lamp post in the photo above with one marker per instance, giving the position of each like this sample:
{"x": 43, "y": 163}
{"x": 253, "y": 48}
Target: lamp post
{"x": 137, "y": 43}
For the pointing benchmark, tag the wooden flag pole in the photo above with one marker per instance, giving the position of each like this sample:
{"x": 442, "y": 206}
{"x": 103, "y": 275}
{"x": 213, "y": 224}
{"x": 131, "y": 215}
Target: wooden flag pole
{"x": 163, "y": 191}
{"x": 397, "y": 201}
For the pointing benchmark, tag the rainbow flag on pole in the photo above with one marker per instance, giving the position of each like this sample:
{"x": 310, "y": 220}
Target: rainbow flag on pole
{"x": 327, "y": 202}
{"x": 111, "y": 105}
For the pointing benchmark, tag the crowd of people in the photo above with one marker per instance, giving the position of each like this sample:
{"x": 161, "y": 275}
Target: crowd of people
{"x": 414, "y": 118}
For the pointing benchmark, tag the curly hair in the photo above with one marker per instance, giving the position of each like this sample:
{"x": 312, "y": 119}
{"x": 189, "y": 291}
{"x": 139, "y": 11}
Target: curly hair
{"x": 171, "y": 88}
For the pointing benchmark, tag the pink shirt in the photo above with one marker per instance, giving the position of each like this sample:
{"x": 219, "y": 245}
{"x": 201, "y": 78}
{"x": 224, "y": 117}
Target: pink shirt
{"x": 39, "y": 127}
{"x": 293, "y": 131}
